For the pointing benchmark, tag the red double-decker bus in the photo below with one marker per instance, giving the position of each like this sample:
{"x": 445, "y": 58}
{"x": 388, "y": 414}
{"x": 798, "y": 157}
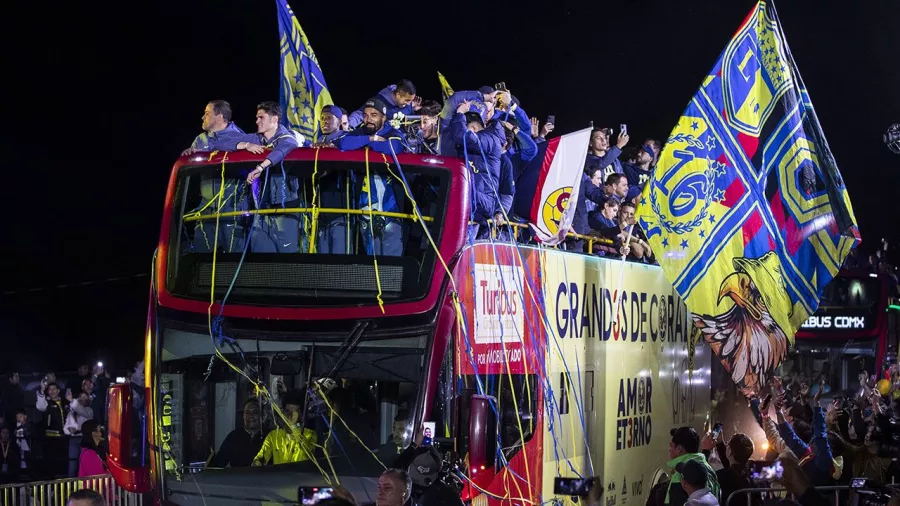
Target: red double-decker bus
{"x": 523, "y": 363}
{"x": 852, "y": 331}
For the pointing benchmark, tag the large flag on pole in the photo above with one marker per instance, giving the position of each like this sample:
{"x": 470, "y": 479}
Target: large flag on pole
{"x": 560, "y": 177}
{"x": 747, "y": 212}
{"x": 303, "y": 91}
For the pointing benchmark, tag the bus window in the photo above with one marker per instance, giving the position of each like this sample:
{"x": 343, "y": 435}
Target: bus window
{"x": 517, "y": 400}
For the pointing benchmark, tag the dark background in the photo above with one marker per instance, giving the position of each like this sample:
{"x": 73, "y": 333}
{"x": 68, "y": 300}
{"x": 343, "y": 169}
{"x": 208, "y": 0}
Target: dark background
{"x": 101, "y": 99}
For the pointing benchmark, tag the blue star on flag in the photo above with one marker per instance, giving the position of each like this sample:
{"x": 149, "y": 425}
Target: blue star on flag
{"x": 710, "y": 142}
{"x": 720, "y": 196}
{"x": 695, "y": 125}
{"x": 684, "y": 244}
{"x": 665, "y": 242}
{"x": 712, "y": 218}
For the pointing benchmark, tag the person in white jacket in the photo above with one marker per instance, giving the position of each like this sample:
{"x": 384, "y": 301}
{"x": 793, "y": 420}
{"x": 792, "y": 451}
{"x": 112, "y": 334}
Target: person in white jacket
{"x": 79, "y": 412}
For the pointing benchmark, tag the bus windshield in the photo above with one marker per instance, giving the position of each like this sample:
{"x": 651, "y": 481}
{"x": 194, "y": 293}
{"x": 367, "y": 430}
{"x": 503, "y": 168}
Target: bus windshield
{"x": 359, "y": 411}
{"x": 305, "y": 233}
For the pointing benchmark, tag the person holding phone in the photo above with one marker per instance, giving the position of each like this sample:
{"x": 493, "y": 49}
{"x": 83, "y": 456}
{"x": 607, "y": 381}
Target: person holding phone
{"x": 735, "y": 458}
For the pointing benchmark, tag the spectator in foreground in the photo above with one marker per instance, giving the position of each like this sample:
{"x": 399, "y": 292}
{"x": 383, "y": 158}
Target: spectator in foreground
{"x": 694, "y": 478}
{"x": 735, "y": 458}
{"x": 394, "y": 488}
{"x": 91, "y": 461}
{"x": 9, "y": 464}
{"x": 684, "y": 446}
{"x": 85, "y": 497}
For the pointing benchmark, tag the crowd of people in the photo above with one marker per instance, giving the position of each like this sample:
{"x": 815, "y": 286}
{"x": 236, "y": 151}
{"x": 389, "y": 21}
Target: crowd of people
{"x": 488, "y": 128}
{"x": 54, "y": 426}
{"x": 808, "y": 445}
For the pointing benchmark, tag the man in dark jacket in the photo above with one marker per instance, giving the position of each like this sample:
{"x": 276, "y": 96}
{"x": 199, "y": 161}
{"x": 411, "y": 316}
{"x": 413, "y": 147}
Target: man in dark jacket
{"x": 482, "y": 148}
{"x": 600, "y": 154}
{"x": 277, "y": 233}
{"x": 380, "y": 235}
{"x": 685, "y": 445}
{"x": 241, "y": 445}
{"x": 400, "y": 97}
{"x": 12, "y": 398}
{"x": 735, "y": 458}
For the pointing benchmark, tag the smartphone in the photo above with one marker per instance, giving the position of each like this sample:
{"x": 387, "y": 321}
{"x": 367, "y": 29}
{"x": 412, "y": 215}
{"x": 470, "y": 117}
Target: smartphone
{"x": 577, "y": 487}
{"x": 717, "y": 429}
{"x": 428, "y": 434}
{"x": 766, "y": 470}
{"x": 501, "y": 86}
{"x": 551, "y": 119}
{"x": 858, "y": 483}
{"x": 311, "y": 495}
{"x": 623, "y": 129}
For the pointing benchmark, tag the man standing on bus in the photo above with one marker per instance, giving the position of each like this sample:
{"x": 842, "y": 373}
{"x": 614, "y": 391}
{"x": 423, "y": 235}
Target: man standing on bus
{"x": 291, "y": 441}
{"x": 218, "y": 129}
{"x": 274, "y": 233}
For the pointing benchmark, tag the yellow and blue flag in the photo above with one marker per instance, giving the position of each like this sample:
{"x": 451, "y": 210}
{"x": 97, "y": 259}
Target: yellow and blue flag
{"x": 746, "y": 211}
{"x": 303, "y": 90}
{"x": 446, "y": 90}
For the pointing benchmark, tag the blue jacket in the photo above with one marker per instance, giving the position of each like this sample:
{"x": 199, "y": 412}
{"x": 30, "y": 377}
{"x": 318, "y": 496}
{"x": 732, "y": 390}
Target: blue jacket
{"x": 525, "y": 148}
{"x": 325, "y": 139}
{"x": 484, "y": 150}
{"x": 359, "y": 139}
{"x": 819, "y": 468}
{"x": 203, "y": 141}
{"x": 446, "y": 142}
{"x": 506, "y": 187}
{"x": 281, "y": 187}
{"x": 587, "y": 192}
{"x": 636, "y": 175}
{"x": 356, "y": 117}
{"x": 609, "y": 162}
{"x": 233, "y": 198}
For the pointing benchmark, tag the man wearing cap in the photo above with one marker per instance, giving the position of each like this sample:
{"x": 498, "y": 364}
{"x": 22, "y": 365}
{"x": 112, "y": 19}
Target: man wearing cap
{"x": 684, "y": 446}
{"x": 639, "y": 172}
{"x": 380, "y": 235}
{"x": 375, "y": 132}
{"x": 329, "y": 126}
{"x": 400, "y": 97}
{"x": 694, "y": 478}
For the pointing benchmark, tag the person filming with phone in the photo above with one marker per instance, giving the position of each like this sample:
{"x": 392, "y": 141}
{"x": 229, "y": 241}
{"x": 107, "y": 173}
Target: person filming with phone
{"x": 735, "y": 458}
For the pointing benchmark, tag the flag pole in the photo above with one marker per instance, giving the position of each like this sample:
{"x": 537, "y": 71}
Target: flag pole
{"x": 622, "y": 269}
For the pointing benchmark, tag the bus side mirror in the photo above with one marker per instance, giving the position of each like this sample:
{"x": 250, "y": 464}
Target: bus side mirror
{"x": 128, "y": 475}
{"x": 482, "y": 437}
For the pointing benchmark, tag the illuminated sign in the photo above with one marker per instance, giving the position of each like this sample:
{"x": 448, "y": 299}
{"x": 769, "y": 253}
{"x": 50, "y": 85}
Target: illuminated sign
{"x": 835, "y": 322}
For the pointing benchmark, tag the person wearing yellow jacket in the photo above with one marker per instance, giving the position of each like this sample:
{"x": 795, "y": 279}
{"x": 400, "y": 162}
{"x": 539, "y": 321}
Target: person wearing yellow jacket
{"x": 290, "y": 443}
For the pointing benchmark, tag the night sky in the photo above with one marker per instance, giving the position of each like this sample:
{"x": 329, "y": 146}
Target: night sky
{"x": 102, "y": 97}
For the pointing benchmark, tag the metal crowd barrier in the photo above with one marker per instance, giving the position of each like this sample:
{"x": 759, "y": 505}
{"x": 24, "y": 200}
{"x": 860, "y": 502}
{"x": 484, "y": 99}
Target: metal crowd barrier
{"x": 773, "y": 494}
{"x": 57, "y": 492}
